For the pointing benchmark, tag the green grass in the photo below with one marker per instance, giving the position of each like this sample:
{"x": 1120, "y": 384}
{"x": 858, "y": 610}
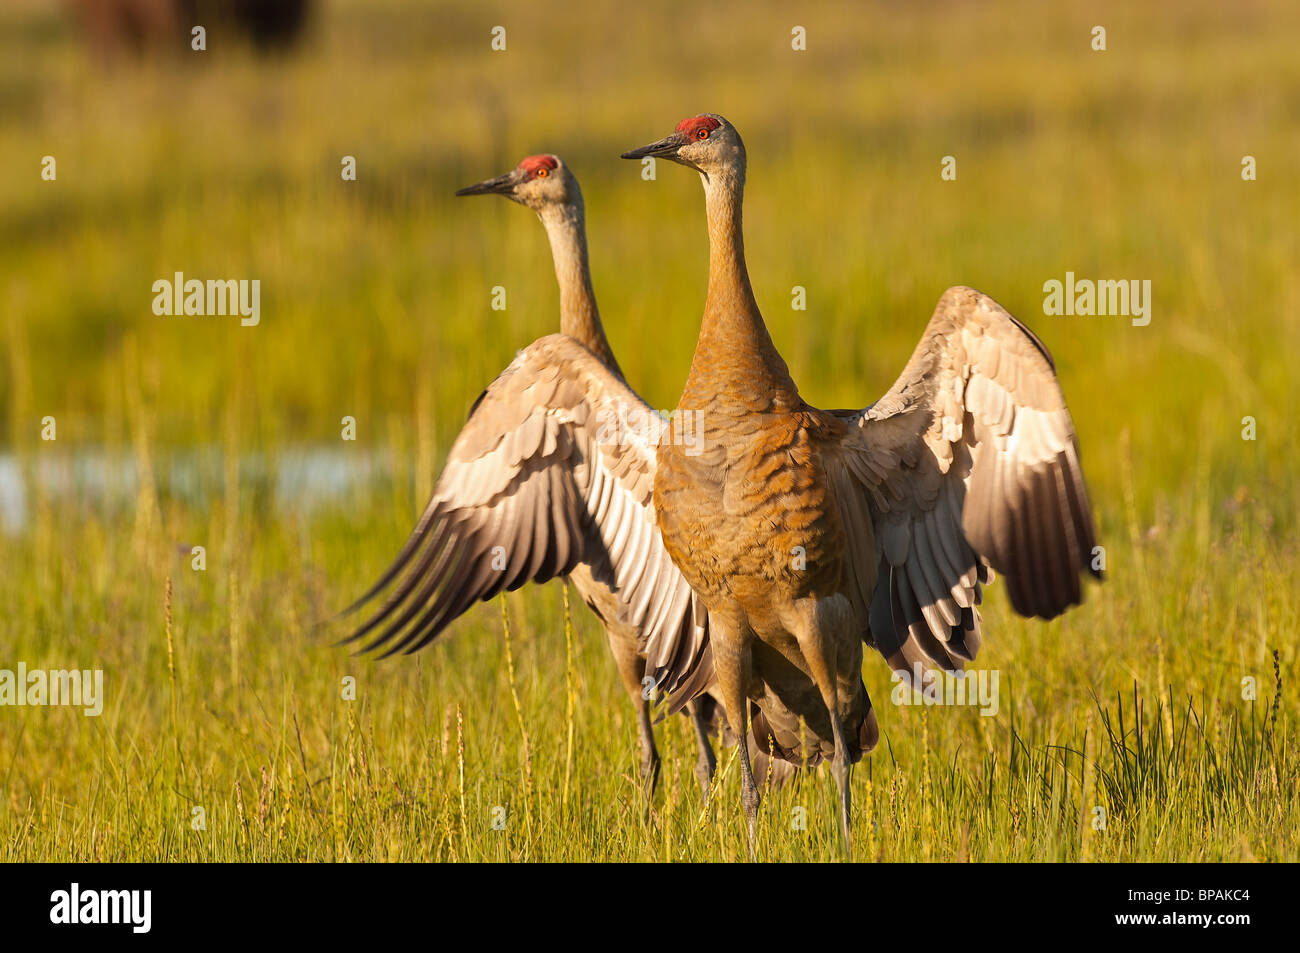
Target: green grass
{"x": 1123, "y": 164}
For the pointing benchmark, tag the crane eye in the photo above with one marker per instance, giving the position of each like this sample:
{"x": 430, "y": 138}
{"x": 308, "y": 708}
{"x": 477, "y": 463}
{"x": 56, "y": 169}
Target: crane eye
{"x": 541, "y": 172}
{"x": 701, "y": 133}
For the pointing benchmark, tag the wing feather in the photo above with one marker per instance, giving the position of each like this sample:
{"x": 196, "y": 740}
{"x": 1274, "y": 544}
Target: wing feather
{"x": 537, "y": 484}
{"x": 970, "y": 461}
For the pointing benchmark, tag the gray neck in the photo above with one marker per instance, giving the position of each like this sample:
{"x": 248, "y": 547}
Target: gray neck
{"x": 579, "y": 316}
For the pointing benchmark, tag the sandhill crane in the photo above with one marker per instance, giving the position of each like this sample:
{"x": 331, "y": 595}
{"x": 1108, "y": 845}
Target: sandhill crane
{"x": 807, "y": 532}
{"x": 552, "y": 475}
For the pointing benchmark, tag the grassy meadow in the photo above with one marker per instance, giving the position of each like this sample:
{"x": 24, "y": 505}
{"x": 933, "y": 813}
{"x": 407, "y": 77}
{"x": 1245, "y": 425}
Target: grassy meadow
{"x": 224, "y": 699}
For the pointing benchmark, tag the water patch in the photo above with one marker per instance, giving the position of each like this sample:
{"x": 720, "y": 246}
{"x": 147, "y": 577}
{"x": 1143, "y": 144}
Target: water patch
{"x": 300, "y": 479}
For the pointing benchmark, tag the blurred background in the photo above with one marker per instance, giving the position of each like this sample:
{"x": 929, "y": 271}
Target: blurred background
{"x": 375, "y": 303}
{"x": 225, "y": 163}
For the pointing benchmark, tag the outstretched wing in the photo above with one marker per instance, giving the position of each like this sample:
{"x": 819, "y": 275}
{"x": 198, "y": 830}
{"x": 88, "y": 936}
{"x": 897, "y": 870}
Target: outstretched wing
{"x": 554, "y": 469}
{"x": 969, "y": 461}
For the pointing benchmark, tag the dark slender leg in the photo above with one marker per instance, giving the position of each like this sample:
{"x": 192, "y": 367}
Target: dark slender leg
{"x": 707, "y": 762}
{"x": 732, "y": 659}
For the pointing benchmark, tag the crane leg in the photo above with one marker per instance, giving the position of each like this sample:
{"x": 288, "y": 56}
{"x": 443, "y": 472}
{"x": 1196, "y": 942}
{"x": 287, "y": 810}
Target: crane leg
{"x": 733, "y": 660}
{"x": 631, "y": 668}
{"x": 649, "y": 754}
{"x": 707, "y": 762}
{"x": 816, "y": 629}
{"x": 842, "y": 770}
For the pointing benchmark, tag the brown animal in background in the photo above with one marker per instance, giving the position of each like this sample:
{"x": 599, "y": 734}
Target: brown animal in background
{"x": 809, "y": 532}
{"x": 136, "y": 26}
{"x": 158, "y": 26}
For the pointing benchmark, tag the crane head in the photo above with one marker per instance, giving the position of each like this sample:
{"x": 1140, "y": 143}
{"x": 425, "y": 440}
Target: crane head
{"x": 537, "y": 181}
{"x": 706, "y": 143}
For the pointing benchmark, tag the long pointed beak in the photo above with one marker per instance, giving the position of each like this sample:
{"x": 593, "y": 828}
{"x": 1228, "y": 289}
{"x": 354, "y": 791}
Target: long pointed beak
{"x": 665, "y": 148}
{"x": 501, "y": 185}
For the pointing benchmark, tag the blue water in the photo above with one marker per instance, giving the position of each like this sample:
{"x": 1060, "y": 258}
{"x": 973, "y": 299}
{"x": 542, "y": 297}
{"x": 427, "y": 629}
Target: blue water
{"x": 300, "y": 479}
